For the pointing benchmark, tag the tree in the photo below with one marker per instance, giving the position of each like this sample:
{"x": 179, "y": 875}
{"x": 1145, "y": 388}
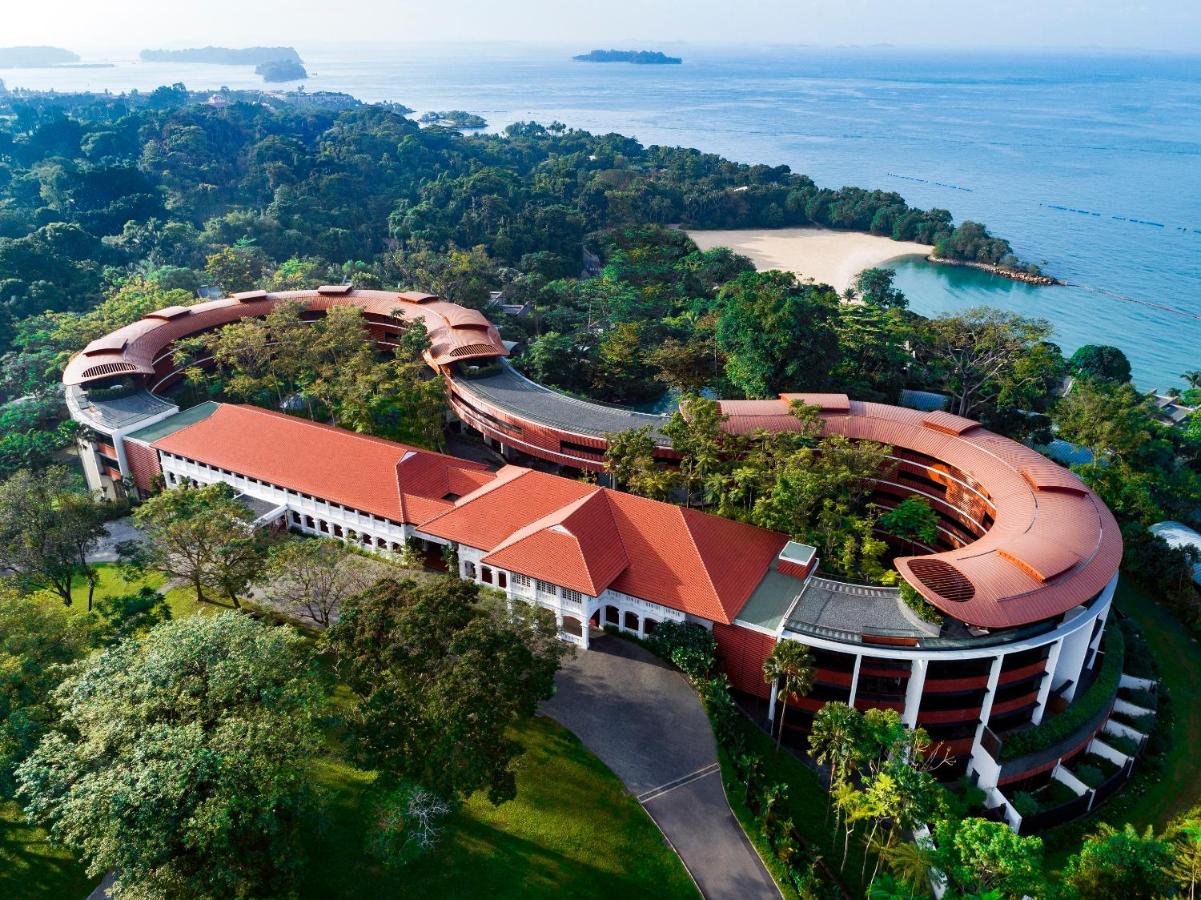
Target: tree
{"x": 47, "y": 531}
{"x": 789, "y": 669}
{"x": 777, "y": 333}
{"x": 237, "y": 267}
{"x": 203, "y": 536}
{"x": 630, "y": 459}
{"x": 978, "y": 856}
{"x": 438, "y": 679}
{"x": 1124, "y": 863}
{"x": 37, "y": 640}
{"x": 1114, "y": 421}
{"x": 181, "y": 763}
{"x": 314, "y": 577}
{"x": 122, "y": 616}
{"x": 912, "y": 520}
{"x": 1101, "y": 361}
{"x": 696, "y": 434}
{"x": 875, "y": 288}
{"x": 1193, "y": 378}
{"x": 977, "y": 355}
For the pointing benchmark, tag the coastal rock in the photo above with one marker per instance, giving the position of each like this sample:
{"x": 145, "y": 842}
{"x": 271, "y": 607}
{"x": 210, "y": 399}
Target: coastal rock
{"x": 1012, "y": 274}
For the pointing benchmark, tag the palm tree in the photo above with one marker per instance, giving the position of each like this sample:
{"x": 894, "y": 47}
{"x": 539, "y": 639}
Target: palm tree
{"x": 909, "y": 862}
{"x": 790, "y": 669}
{"x": 1193, "y": 378}
{"x": 836, "y": 740}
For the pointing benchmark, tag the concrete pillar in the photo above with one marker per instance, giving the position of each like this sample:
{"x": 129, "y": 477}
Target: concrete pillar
{"x": 913, "y": 692}
{"x": 855, "y": 680}
{"x": 584, "y": 633}
{"x": 771, "y": 703}
{"x": 1071, "y": 661}
{"x": 1044, "y": 688}
{"x": 990, "y": 693}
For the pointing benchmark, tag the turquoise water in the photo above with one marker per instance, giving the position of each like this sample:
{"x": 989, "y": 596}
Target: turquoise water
{"x": 1088, "y": 164}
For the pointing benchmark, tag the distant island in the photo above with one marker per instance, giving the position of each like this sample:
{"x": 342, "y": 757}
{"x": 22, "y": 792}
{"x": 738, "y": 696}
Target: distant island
{"x": 281, "y": 70}
{"x": 35, "y": 57}
{"x": 224, "y": 56}
{"x": 454, "y": 118}
{"x": 638, "y": 57}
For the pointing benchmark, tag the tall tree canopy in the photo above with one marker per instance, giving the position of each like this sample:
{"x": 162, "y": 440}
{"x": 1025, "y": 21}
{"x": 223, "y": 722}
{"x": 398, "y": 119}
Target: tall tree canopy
{"x": 777, "y": 333}
{"x": 181, "y": 760}
{"x": 438, "y": 679}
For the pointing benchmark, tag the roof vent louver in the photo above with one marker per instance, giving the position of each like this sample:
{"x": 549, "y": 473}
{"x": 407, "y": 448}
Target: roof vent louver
{"x": 943, "y": 579}
{"x": 335, "y": 290}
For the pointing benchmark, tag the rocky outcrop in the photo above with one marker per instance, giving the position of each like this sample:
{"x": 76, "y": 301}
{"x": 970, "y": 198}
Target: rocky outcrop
{"x": 1013, "y": 274}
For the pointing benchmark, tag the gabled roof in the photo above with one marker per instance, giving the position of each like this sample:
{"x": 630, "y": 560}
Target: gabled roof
{"x": 577, "y": 547}
{"x": 372, "y": 475}
{"x": 516, "y": 498}
{"x": 588, "y": 538}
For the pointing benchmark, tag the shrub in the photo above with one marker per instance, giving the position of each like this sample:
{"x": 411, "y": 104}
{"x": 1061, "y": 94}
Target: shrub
{"x": 1025, "y": 804}
{"x": 692, "y": 649}
{"x": 1090, "y": 775}
{"x": 1138, "y": 696}
{"x": 920, "y": 606}
{"x": 1121, "y": 743}
{"x": 1083, "y": 709}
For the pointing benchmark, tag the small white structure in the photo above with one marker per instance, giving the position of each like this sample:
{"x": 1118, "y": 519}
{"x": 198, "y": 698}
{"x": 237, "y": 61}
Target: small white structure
{"x": 1177, "y": 534}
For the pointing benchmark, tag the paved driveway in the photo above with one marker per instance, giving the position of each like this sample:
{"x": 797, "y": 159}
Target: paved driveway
{"x": 646, "y": 723}
{"x": 119, "y": 530}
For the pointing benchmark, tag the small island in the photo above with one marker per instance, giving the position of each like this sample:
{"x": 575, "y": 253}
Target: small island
{"x": 638, "y": 57}
{"x": 35, "y": 57}
{"x": 281, "y": 70}
{"x": 224, "y": 56}
{"x": 454, "y": 118}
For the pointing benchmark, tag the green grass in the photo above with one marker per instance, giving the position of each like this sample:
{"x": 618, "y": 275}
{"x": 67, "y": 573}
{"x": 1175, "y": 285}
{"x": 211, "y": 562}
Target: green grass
{"x": 1178, "y": 786}
{"x": 573, "y": 831}
{"x": 30, "y": 867}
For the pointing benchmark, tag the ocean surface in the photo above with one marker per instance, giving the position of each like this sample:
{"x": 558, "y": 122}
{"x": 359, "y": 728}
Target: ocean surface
{"x": 1088, "y": 164}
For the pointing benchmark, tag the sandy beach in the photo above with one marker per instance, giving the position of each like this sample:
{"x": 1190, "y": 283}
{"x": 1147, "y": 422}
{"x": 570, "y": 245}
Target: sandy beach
{"x": 833, "y": 257}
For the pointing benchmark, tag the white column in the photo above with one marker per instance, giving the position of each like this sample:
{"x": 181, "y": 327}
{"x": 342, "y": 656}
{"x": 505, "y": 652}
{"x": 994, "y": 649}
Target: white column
{"x": 771, "y": 704}
{"x": 1044, "y": 688}
{"x": 855, "y": 680}
{"x": 990, "y": 692}
{"x": 913, "y": 692}
{"x": 584, "y": 634}
{"x": 1070, "y": 664}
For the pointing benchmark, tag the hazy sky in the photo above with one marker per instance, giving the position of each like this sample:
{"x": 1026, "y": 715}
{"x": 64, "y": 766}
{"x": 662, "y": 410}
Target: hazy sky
{"x": 88, "y": 25}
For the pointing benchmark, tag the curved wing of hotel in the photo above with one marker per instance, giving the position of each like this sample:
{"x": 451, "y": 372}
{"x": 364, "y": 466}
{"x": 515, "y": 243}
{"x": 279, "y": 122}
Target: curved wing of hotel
{"x": 1024, "y": 568}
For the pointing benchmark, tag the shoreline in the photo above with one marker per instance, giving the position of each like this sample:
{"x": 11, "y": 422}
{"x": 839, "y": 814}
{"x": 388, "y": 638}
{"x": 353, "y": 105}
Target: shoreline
{"x": 824, "y": 255}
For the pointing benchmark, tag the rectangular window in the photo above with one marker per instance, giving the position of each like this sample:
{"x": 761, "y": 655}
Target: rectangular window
{"x": 469, "y": 571}
{"x": 573, "y": 596}
{"x": 546, "y": 587}
{"x": 522, "y": 581}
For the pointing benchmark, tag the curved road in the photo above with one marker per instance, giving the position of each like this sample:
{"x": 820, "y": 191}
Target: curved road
{"x": 644, "y": 720}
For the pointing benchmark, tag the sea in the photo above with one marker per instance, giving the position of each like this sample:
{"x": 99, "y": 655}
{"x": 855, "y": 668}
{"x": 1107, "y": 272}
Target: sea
{"x": 1088, "y": 162}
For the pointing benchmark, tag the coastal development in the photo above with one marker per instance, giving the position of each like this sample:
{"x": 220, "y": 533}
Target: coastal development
{"x": 399, "y": 503}
{"x": 1022, "y": 570}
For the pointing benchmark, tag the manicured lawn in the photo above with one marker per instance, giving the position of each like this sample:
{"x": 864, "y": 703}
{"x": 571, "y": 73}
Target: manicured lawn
{"x": 571, "y": 832}
{"x": 31, "y": 868}
{"x": 1179, "y": 660}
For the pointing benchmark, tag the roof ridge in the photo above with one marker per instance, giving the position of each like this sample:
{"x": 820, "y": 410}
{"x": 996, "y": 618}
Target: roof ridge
{"x": 683, "y": 510}
{"x": 497, "y": 482}
{"x": 554, "y": 517}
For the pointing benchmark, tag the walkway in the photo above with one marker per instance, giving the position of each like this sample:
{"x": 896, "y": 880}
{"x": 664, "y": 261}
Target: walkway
{"x": 645, "y": 722}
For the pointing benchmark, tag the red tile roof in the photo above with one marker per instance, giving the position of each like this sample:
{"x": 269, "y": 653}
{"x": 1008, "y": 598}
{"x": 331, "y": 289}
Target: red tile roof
{"x": 587, "y": 539}
{"x": 372, "y": 475}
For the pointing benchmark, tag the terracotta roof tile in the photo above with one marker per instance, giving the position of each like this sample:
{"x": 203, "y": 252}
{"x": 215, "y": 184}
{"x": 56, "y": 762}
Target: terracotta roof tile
{"x": 372, "y": 475}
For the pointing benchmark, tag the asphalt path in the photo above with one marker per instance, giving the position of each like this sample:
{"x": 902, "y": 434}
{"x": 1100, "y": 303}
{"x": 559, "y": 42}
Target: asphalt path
{"x": 646, "y": 723}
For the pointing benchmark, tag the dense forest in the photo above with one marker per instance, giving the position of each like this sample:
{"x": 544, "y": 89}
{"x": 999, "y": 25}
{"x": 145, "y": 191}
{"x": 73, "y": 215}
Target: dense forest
{"x": 113, "y": 206}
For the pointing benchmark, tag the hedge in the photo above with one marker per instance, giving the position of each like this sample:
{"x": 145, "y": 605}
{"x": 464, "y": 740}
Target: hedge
{"x": 1053, "y": 730}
